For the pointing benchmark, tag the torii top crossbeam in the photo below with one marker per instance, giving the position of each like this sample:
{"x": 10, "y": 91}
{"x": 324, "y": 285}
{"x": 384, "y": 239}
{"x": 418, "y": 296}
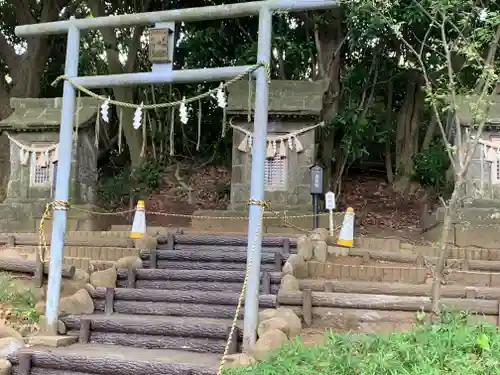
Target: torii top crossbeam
{"x": 186, "y": 15}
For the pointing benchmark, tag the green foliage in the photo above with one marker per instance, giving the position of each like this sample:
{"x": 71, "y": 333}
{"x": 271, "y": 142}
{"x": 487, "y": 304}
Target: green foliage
{"x": 452, "y": 347}
{"x": 21, "y": 302}
{"x": 115, "y": 188}
{"x": 431, "y": 165}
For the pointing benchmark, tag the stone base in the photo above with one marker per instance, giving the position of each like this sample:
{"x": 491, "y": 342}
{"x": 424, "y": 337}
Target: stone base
{"x": 24, "y": 216}
{"x": 53, "y": 341}
{"x": 207, "y": 220}
{"x": 477, "y": 225}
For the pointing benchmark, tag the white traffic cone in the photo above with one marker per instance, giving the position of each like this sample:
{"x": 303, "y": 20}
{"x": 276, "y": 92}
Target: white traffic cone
{"x": 346, "y": 237}
{"x": 139, "y": 224}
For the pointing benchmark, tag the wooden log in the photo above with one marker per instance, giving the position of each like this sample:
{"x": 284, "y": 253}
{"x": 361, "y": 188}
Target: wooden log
{"x": 197, "y": 345}
{"x": 233, "y": 335}
{"x": 207, "y": 239}
{"x": 213, "y": 266}
{"x": 206, "y": 256}
{"x": 196, "y": 275}
{"x": 84, "y": 333}
{"x": 153, "y": 259}
{"x": 39, "y": 271}
{"x": 449, "y": 291}
{"x": 465, "y": 264}
{"x": 24, "y": 363}
{"x": 229, "y": 249}
{"x": 145, "y": 325}
{"x": 278, "y": 262}
{"x": 11, "y": 241}
{"x": 286, "y": 248}
{"x": 170, "y": 241}
{"x": 44, "y": 371}
{"x": 190, "y": 285}
{"x": 30, "y": 266}
{"x": 131, "y": 277}
{"x": 307, "y": 304}
{"x": 266, "y": 282}
{"x": 386, "y": 302}
{"x": 103, "y": 365}
{"x": 155, "y": 295}
{"x": 32, "y": 239}
{"x": 109, "y": 300}
{"x": 171, "y": 309}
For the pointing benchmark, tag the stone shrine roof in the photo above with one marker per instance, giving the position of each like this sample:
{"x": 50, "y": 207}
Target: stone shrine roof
{"x": 299, "y": 98}
{"x": 34, "y": 114}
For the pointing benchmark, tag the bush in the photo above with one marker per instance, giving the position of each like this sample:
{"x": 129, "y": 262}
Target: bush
{"x": 431, "y": 166}
{"x": 114, "y": 190}
{"x": 453, "y": 347}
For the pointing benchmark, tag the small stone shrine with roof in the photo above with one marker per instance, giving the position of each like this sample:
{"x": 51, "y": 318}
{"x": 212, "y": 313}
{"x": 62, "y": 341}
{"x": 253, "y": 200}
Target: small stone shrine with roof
{"x": 33, "y": 133}
{"x": 294, "y": 113}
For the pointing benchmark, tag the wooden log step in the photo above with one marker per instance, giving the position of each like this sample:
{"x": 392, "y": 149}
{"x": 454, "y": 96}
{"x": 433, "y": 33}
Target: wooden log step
{"x": 118, "y": 360}
{"x": 185, "y": 297}
{"x": 207, "y": 239}
{"x": 190, "y": 285}
{"x": 153, "y": 325}
{"x": 207, "y": 256}
{"x": 30, "y": 266}
{"x": 196, "y": 275}
{"x": 171, "y": 309}
{"x": 191, "y": 344}
{"x": 80, "y": 240}
{"x": 449, "y": 291}
{"x": 208, "y": 266}
{"x": 386, "y": 302}
{"x": 473, "y": 265}
{"x": 277, "y": 249}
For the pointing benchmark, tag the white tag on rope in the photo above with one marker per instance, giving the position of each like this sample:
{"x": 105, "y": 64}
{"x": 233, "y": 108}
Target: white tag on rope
{"x": 138, "y": 117}
{"x": 105, "y": 111}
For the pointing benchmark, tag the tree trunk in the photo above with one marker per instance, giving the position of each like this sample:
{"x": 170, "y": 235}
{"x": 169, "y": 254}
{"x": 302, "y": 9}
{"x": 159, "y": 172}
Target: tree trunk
{"x": 329, "y": 39}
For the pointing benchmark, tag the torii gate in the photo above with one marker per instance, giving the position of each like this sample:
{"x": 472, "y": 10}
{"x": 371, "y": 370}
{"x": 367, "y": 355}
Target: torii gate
{"x": 73, "y": 27}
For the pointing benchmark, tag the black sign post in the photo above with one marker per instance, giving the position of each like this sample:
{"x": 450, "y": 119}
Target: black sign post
{"x": 316, "y": 191}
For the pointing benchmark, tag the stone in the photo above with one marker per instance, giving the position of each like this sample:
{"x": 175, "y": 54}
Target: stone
{"x": 5, "y": 367}
{"x": 338, "y": 251}
{"x": 61, "y": 327}
{"x": 289, "y": 284}
{"x": 237, "y": 360}
{"x": 305, "y": 247}
{"x": 71, "y": 286}
{"x": 319, "y": 234}
{"x": 77, "y": 304}
{"x": 331, "y": 241}
{"x": 53, "y": 341}
{"x": 296, "y": 266}
{"x": 8, "y": 331}
{"x": 268, "y": 342}
{"x": 147, "y": 242}
{"x": 40, "y": 307}
{"x": 105, "y": 278}
{"x": 267, "y": 314}
{"x": 272, "y": 324}
{"x": 321, "y": 251}
{"x": 10, "y": 345}
{"x": 130, "y": 262}
{"x": 293, "y": 321}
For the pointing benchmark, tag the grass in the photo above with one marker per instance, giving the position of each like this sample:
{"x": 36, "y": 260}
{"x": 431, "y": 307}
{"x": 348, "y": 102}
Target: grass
{"x": 453, "y": 347}
{"x": 18, "y": 304}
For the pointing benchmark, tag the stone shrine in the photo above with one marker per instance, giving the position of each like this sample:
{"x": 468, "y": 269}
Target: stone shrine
{"x": 33, "y": 133}
{"x": 294, "y": 113}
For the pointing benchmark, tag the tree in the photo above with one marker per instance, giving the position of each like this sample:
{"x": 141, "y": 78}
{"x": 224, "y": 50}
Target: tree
{"x": 465, "y": 38}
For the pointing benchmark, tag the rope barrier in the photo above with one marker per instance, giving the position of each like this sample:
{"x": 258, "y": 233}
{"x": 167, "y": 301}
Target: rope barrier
{"x": 176, "y": 103}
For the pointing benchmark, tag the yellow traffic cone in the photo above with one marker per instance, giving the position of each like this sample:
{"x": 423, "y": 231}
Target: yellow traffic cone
{"x": 139, "y": 224}
{"x": 346, "y": 237}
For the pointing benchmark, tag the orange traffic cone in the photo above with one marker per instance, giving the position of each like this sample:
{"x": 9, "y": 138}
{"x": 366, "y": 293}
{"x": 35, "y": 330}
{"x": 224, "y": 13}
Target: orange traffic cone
{"x": 346, "y": 237}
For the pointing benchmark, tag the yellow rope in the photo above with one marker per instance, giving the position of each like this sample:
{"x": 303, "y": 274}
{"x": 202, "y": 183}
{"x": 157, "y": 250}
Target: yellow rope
{"x": 56, "y": 205}
{"x": 262, "y": 205}
{"x": 164, "y": 105}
